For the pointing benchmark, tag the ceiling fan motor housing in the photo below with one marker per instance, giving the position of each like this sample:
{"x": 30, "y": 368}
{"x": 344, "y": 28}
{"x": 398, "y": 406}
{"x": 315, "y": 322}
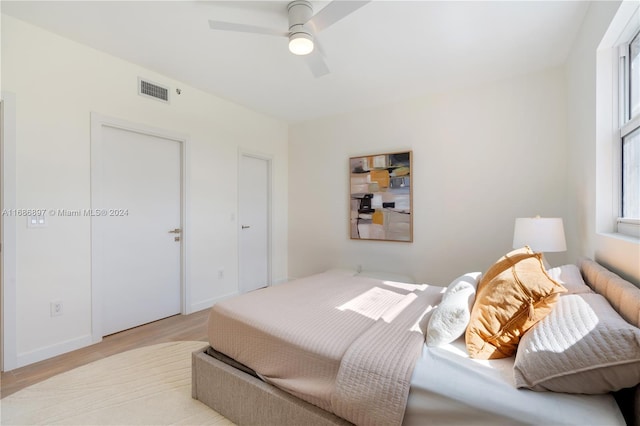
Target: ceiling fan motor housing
{"x": 300, "y": 12}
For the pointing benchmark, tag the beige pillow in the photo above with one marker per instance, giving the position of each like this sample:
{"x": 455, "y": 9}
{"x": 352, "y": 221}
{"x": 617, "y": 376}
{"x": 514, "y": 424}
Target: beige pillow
{"x": 583, "y": 346}
{"x": 515, "y": 293}
{"x": 570, "y": 278}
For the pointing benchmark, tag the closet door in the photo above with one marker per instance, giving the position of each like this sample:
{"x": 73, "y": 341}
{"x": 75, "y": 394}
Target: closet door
{"x": 254, "y": 193}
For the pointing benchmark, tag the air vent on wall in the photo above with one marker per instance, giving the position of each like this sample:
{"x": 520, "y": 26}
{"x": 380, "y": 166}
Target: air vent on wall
{"x": 153, "y": 90}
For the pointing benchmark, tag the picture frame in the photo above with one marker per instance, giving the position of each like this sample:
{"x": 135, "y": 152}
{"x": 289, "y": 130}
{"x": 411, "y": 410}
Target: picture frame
{"x": 381, "y": 197}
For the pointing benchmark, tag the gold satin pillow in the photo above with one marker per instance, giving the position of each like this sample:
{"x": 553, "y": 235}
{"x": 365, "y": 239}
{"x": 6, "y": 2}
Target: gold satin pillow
{"x": 513, "y": 295}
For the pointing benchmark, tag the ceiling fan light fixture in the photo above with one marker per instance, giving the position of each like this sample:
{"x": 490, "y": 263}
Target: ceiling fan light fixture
{"x": 300, "y": 43}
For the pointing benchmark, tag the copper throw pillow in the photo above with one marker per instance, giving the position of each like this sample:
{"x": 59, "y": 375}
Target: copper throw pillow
{"x": 514, "y": 294}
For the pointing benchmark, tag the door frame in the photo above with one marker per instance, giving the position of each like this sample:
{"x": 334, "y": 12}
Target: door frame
{"x": 269, "y": 160}
{"x": 8, "y": 310}
{"x": 98, "y": 122}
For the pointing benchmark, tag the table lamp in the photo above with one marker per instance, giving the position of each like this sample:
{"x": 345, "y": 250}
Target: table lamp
{"x": 542, "y": 234}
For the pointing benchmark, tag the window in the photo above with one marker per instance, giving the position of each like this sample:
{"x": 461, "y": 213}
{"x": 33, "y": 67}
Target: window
{"x": 634, "y": 76}
{"x": 630, "y": 176}
{"x": 629, "y": 112}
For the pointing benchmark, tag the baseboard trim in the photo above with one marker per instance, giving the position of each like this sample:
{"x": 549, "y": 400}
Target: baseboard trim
{"x": 47, "y": 352}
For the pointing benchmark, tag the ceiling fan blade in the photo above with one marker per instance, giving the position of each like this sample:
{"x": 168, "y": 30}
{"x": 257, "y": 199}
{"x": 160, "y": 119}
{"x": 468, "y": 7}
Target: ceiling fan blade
{"x": 244, "y": 28}
{"x": 333, "y": 12}
{"x": 317, "y": 65}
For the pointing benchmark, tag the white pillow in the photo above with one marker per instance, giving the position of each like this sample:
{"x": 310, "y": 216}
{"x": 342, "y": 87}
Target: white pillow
{"x": 450, "y": 319}
{"x": 571, "y": 278}
{"x": 582, "y": 346}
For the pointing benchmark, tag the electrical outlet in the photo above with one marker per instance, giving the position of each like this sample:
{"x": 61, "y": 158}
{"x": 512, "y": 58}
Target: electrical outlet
{"x": 56, "y": 308}
{"x": 220, "y": 273}
{"x": 359, "y": 268}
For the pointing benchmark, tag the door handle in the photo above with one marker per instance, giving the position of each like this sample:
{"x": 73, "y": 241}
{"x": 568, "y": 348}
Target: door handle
{"x": 246, "y": 226}
{"x": 175, "y": 231}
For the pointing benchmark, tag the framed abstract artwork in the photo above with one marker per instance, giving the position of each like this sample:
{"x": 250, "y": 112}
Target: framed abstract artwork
{"x": 381, "y": 197}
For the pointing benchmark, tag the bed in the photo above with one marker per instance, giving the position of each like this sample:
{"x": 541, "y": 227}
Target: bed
{"x": 378, "y": 369}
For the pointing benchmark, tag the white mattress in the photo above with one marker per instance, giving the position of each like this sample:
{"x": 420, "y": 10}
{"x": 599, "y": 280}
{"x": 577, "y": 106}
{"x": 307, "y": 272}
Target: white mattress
{"x": 447, "y": 387}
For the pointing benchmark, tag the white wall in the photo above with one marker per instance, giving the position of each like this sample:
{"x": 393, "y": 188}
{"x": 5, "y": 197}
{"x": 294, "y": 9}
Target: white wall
{"x": 587, "y": 174}
{"x": 57, "y": 84}
{"x": 482, "y": 157}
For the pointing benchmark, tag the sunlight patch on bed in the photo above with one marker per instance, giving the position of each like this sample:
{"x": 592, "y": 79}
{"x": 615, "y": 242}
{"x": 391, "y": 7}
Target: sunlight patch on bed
{"x": 459, "y": 349}
{"x": 372, "y": 303}
{"x": 406, "y": 286}
{"x": 396, "y": 309}
{"x": 578, "y": 327}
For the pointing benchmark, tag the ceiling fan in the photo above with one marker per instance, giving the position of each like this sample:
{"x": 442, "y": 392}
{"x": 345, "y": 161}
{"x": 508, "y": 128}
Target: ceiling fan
{"x": 303, "y": 27}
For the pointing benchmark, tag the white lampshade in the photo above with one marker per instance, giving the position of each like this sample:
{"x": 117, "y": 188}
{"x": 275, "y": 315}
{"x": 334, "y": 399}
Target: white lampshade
{"x": 300, "y": 43}
{"x": 542, "y": 234}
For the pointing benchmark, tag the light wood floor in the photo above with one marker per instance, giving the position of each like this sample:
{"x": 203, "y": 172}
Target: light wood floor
{"x": 176, "y": 328}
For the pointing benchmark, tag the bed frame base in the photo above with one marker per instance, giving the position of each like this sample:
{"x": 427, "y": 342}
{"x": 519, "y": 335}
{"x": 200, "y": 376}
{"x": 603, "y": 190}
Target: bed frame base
{"x": 246, "y": 400}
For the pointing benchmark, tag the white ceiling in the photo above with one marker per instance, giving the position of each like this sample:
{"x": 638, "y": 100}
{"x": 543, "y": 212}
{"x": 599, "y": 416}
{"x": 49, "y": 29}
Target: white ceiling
{"x": 384, "y": 52}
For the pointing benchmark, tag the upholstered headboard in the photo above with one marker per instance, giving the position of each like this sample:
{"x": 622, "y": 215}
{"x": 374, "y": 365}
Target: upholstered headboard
{"x": 625, "y": 298}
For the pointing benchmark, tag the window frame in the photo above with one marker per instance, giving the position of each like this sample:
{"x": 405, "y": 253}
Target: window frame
{"x": 627, "y": 124}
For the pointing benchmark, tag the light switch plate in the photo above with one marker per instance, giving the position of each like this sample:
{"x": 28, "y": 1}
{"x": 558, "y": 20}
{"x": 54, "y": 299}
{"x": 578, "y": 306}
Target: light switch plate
{"x": 36, "y": 221}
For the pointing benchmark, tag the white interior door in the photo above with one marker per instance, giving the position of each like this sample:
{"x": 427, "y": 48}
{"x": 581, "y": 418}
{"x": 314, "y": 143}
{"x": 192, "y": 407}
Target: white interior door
{"x": 254, "y": 184}
{"x": 141, "y": 192}
{"x": 8, "y": 297}
{"x": 1, "y": 240}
